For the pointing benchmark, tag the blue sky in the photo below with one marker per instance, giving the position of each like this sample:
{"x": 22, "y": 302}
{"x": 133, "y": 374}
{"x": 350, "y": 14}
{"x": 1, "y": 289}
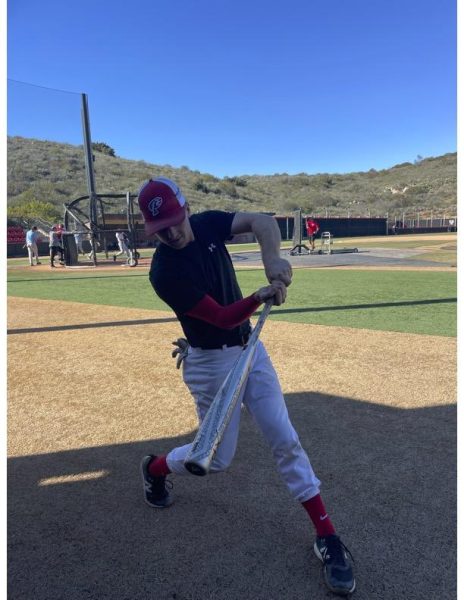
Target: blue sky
{"x": 242, "y": 87}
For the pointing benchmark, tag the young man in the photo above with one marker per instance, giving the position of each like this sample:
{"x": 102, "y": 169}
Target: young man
{"x": 56, "y": 246}
{"x": 193, "y": 273}
{"x": 312, "y": 227}
{"x": 79, "y": 238}
{"x": 32, "y": 237}
{"x": 60, "y": 229}
{"x": 122, "y": 240}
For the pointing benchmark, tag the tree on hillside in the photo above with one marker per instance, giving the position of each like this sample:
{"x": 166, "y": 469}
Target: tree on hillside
{"x": 103, "y": 148}
{"x": 27, "y": 208}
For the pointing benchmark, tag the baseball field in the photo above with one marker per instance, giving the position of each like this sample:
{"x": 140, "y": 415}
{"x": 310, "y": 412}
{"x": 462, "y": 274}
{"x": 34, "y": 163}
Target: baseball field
{"x": 366, "y": 356}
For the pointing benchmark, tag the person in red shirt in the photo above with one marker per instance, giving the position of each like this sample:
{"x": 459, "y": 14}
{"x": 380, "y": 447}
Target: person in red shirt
{"x": 312, "y": 227}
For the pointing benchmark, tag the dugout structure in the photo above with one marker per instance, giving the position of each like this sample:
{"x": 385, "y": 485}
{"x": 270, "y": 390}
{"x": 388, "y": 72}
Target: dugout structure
{"x": 95, "y": 220}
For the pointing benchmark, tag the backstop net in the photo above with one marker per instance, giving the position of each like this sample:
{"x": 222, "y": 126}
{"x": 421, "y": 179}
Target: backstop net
{"x": 48, "y": 182}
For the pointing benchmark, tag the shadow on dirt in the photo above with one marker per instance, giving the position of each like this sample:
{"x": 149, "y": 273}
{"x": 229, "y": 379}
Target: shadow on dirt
{"x": 388, "y": 480}
{"x": 364, "y": 306}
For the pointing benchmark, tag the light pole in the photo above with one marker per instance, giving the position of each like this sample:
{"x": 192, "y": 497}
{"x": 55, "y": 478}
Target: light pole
{"x": 90, "y": 175}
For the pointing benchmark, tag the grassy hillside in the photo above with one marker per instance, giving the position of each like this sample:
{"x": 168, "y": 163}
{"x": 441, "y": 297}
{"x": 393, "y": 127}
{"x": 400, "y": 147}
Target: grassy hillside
{"x": 56, "y": 173}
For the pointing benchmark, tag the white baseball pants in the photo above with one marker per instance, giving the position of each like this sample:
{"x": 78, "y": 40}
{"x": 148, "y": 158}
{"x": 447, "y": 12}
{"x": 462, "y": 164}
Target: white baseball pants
{"x": 204, "y": 372}
{"x": 123, "y": 249}
{"x": 32, "y": 252}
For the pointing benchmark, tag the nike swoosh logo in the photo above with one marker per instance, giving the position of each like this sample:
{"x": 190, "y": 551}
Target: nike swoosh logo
{"x": 324, "y": 517}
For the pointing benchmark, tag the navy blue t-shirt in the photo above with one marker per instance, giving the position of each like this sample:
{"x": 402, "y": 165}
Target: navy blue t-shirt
{"x": 182, "y": 278}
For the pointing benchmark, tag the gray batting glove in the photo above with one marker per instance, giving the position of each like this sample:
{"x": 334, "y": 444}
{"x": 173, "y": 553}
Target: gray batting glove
{"x": 181, "y": 351}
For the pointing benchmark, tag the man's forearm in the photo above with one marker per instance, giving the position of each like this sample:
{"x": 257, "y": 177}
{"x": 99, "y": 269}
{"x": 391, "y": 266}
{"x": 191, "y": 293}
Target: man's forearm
{"x": 267, "y": 233}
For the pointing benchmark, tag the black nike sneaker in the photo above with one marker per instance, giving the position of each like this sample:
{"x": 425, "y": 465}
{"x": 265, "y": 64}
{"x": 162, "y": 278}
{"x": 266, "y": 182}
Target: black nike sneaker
{"x": 338, "y": 572}
{"x": 155, "y": 488}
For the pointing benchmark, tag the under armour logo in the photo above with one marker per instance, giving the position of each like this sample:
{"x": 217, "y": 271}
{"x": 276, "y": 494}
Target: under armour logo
{"x": 211, "y": 247}
{"x": 154, "y": 205}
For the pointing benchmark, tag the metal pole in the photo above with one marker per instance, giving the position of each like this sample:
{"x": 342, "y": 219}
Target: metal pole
{"x": 90, "y": 174}
{"x": 130, "y": 221}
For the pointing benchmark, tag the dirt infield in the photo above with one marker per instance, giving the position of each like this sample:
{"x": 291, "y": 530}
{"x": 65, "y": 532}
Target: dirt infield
{"x": 93, "y": 388}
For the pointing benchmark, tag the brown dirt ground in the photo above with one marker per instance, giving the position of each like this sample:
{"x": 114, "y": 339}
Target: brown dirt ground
{"x": 375, "y": 410}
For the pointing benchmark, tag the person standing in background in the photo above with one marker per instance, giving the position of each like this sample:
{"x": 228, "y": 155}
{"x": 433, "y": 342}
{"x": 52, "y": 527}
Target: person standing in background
{"x": 79, "y": 238}
{"x": 123, "y": 243}
{"x": 55, "y": 246}
{"x": 60, "y": 230}
{"x": 32, "y": 237}
{"x": 312, "y": 227}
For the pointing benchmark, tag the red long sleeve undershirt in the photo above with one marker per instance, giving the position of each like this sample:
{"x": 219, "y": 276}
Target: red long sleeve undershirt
{"x": 224, "y": 317}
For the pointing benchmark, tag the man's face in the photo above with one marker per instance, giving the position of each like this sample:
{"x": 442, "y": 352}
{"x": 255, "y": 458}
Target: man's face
{"x": 178, "y": 236}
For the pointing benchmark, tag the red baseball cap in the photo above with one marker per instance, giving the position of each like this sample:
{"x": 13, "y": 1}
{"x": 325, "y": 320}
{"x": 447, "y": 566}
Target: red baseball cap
{"x": 162, "y": 204}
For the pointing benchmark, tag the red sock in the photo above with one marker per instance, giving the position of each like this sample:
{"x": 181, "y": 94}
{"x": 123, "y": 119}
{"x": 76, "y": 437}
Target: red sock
{"x": 158, "y": 467}
{"x": 316, "y": 510}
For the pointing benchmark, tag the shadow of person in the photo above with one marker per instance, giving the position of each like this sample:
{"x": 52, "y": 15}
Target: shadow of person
{"x": 78, "y": 527}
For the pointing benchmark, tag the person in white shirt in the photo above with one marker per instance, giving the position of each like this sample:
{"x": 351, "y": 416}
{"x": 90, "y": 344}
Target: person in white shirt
{"x": 32, "y": 237}
{"x": 123, "y": 243}
{"x": 79, "y": 238}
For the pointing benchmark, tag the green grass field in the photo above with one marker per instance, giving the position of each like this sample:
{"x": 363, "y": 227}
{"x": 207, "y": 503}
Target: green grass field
{"x": 422, "y": 302}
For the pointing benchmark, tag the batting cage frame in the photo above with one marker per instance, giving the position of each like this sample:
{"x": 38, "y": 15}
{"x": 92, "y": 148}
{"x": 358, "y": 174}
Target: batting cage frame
{"x": 86, "y": 217}
{"x": 91, "y": 223}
